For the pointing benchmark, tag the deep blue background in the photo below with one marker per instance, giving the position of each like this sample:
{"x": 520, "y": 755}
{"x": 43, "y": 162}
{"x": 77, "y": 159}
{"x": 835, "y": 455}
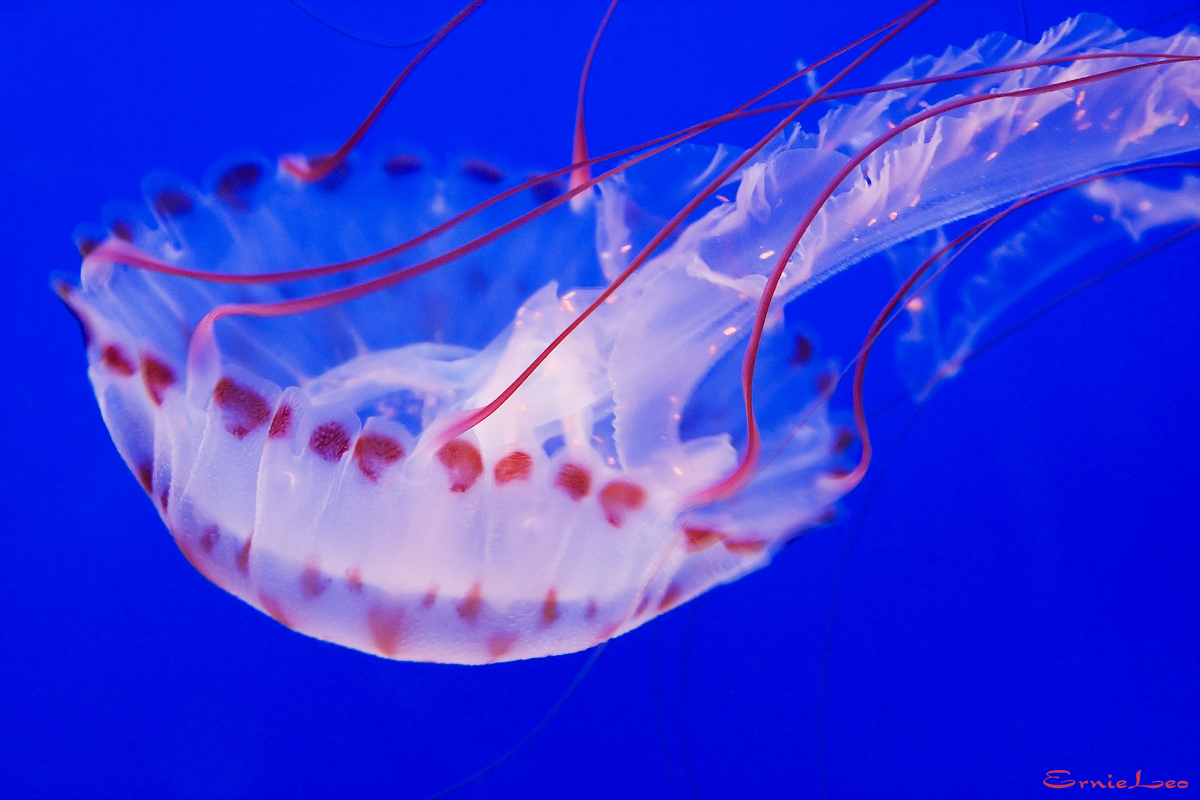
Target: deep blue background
{"x": 1021, "y": 594}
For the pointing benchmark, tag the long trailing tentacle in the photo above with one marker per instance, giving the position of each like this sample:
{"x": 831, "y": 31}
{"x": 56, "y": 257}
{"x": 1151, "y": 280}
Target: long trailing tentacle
{"x": 579, "y": 149}
{"x": 464, "y": 421}
{"x": 119, "y": 251}
{"x": 202, "y": 353}
{"x": 945, "y": 257}
{"x": 314, "y": 169}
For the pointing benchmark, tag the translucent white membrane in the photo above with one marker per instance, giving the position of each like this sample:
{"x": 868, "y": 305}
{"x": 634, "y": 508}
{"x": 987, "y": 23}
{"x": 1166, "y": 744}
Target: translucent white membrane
{"x": 301, "y": 477}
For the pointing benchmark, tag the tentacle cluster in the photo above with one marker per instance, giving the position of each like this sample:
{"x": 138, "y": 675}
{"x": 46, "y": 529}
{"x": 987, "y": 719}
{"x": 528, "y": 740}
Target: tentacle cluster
{"x": 305, "y": 474}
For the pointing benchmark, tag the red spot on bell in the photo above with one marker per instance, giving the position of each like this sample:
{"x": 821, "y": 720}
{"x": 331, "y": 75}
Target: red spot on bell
{"x": 157, "y": 378}
{"x": 145, "y": 475}
{"x": 403, "y": 164}
{"x": 234, "y": 185}
{"x": 385, "y": 627}
{"x": 803, "y": 351}
{"x": 113, "y": 357}
{"x": 515, "y": 466}
{"x": 745, "y": 548}
{"x": 375, "y": 453}
{"x": 670, "y": 598}
{"x": 501, "y": 644}
{"x": 172, "y": 203}
{"x": 242, "y": 409}
{"x": 243, "y": 557}
{"x": 619, "y": 499}
{"x": 550, "y": 608}
{"x": 482, "y": 171}
{"x": 272, "y": 607}
{"x": 329, "y": 441}
{"x": 701, "y": 538}
{"x": 547, "y": 189}
{"x": 472, "y": 604}
{"x": 312, "y": 581}
{"x": 208, "y": 539}
{"x": 281, "y": 423}
{"x": 463, "y": 462}
{"x": 575, "y": 480}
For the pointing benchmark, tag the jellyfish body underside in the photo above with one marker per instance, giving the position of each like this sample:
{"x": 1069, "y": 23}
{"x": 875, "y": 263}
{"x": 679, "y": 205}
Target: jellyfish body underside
{"x": 302, "y": 472}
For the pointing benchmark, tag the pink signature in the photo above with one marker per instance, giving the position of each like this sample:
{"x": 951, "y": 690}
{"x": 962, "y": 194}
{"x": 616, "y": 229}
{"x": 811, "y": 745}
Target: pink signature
{"x": 1060, "y": 779}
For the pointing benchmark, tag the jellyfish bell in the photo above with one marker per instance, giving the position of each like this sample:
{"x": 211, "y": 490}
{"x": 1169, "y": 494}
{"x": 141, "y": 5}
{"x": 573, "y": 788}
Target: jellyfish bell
{"x": 317, "y": 442}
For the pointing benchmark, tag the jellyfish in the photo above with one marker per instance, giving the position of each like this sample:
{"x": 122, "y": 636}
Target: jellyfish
{"x": 474, "y": 413}
{"x": 1038, "y": 481}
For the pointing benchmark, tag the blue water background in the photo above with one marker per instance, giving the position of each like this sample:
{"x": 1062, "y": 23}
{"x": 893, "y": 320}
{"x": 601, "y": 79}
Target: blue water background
{"x": 1020, "y": 593}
